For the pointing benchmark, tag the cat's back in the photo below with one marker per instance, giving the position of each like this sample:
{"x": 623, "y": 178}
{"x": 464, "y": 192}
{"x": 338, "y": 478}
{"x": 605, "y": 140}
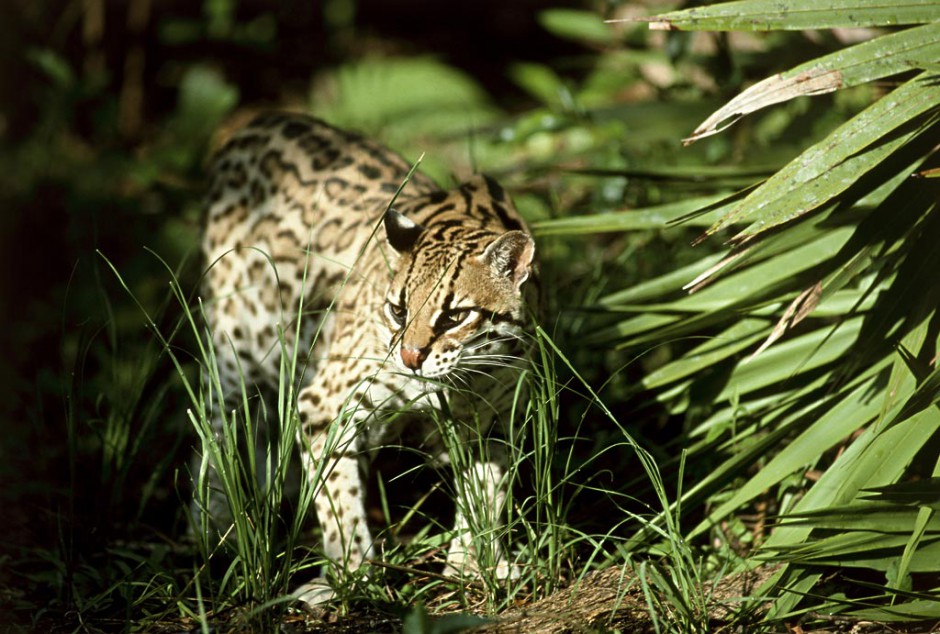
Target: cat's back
{"x": 290, "y": 178}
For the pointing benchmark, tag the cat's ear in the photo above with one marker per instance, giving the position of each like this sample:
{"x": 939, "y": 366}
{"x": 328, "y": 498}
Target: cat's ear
{"x": 511, "y": 255}
{"x": 402, "y": 233}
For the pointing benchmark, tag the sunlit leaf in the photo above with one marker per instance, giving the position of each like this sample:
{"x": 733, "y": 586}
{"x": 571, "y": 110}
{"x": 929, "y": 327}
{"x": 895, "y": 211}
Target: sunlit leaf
{"x": 657, "y": 217}
{"x": 763, "y": 15}
{"x": 881, "y": 57}
{"x": 834, "y": 164}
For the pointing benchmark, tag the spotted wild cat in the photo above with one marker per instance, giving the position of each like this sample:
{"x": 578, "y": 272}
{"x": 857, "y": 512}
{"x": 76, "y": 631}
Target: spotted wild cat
{"x": 400, "y": 307}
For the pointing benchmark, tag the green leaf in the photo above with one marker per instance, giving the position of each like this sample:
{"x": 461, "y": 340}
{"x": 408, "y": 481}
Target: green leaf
{"x": 834, "y": 425}
{"x": 667, "y": 284}
{"x": 658, "y": 217}
{"x": 765, "y": 15}
{"x": 876, "y": 458}
{"x": 739, "y": 336}
{"x": 540, "y": 81}
{"x": 926, "y": 395}
{"x": 925, "y": 517}
{"x": 410, "y": 95}
{"x": 53, "y": 65}
{"x": 924, "y": 493}
{"x": 862, "y": 516}
{"x": 786, "y": 360}
{"x": 205, "y": 99}
{"x": 864, "y": 549}
{"x": 733, "y": 292}
{"x": 417, "y": 621}
{"x": 905, "y": 564}
{"x": 833, "y": 165}
{"x": 573, "y": 24}
{"x": 881, "y": 57}
{"x": 917, "y": 610}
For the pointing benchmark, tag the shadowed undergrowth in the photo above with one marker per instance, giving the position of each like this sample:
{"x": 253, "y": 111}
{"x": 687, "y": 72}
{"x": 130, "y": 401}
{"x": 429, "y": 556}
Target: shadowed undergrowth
{"x": 734, "y": 379}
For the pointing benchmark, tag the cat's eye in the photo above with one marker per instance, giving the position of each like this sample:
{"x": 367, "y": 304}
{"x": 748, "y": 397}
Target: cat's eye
{"x": 396, "y": 313}
{"x": 452, "y": 318}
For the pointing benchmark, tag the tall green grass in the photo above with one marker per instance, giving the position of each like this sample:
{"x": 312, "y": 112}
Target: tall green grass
{"x": 253, "y": 558}
{"x": 249, "y": 455}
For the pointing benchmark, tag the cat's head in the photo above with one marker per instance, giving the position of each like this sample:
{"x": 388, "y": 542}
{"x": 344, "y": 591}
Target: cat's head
{"x": 456, "y": 299}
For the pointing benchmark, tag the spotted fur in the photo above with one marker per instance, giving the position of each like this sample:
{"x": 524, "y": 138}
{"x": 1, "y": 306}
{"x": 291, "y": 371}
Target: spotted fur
{"x": 399, "y": 307}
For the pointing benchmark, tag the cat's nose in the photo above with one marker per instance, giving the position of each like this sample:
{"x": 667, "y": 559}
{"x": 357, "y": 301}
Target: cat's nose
{"x": 413, "y": 357}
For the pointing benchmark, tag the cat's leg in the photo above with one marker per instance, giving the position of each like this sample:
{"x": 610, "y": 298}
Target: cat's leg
{"x": 482, "y": 485}
{"x": 479, "y": 506}
{"x": 236, "y": 392}
{"x": 241, "y": 368}
{"x": 331, "y": 452}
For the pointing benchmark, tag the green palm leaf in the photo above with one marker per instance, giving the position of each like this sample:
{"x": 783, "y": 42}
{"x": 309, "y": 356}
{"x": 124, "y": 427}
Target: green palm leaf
{"x": 765, "y": 15}
{"x": 811, "y": 345}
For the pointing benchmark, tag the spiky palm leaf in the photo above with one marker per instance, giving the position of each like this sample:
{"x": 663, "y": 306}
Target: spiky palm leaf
{"x": 820, "y": 324}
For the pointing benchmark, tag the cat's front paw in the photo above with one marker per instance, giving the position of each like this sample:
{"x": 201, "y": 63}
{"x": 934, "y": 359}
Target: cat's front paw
{"x": 459, "y": 564}
{"x": 507, "y": 571}
{"x": 315, "y": 594}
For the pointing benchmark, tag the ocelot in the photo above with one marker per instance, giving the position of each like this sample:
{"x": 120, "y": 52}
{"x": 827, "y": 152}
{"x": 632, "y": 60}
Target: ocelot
{"x": 403, "y": 309}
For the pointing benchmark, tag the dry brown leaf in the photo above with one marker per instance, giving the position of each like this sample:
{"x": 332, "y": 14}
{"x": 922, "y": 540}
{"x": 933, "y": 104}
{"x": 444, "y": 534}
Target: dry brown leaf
{"x": 796, "y": 312}
{"x": 774, "y": 89}
{"x": 703, "y": 277}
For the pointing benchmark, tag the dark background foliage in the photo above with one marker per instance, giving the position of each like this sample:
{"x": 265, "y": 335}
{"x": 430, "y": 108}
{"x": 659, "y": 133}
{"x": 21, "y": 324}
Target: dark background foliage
{"x": 108, "y": 110}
